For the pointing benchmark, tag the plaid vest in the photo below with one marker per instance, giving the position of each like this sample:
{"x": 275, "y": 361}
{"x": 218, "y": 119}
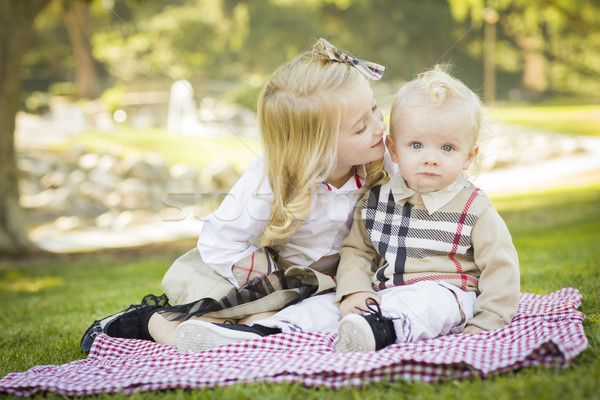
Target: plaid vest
{"x": 420, "y": 246}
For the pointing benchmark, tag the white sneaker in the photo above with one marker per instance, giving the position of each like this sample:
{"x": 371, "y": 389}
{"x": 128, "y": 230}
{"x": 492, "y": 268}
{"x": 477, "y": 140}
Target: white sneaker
{"x": 195, "y": 335}
{"x": 354, "y": 335}
{"x": 369, "y": 332}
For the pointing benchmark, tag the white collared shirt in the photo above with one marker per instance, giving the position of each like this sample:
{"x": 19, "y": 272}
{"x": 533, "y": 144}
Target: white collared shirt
{"x": 233, "y": 231}
{"x": 433, "y": 200}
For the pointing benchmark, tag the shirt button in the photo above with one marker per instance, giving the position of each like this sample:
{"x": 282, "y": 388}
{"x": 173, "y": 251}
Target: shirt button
{"x": 335, "y": 225}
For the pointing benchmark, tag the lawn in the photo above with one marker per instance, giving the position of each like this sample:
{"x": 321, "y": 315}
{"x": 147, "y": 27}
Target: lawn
{"x": 577, "y": 120}
{"x": 46, "y": 304}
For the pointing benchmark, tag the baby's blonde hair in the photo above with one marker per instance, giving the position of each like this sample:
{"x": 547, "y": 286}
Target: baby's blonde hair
{"x": 439, "y": 87}
{"x": 299, "y": 114}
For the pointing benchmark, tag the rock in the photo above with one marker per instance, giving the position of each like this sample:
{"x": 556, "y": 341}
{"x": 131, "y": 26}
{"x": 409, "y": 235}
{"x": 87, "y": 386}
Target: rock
{"x": 223, "y": 176}
{"x": 108, "y": 163}
{"x": 133, "y": 193}
{"x": 26, "y": 166}
{"x": 53, "y": 180}
{"x": 29, "y": 187}
{"x": 133, "y": 166}
{"x": 88, "y": 161}
{"x": 49, "y": 200}
{"x": 76, "y": 178}
{"x": 150, "y": 168}
{"x": 113, "y": 200}
{"x": 184, "y": 172}
{"x": 105, "y": 220}
{"x": 74, "y": 153}
{"x": 104, "y": 179}
{"x": 117, "y": 221}
{"x": 93, "y": 192}
{"x": 65, "y": 224}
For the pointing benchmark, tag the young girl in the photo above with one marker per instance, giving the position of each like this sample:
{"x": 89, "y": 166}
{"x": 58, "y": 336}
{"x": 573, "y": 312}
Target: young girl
{"x": 275, "y": 238}
{"x": 427, "y": 254}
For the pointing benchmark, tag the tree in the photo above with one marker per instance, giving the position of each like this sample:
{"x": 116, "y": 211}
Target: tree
{"x": 16, "y": 25}
{"x": 77, "y": 19}
{"x": 552, "y": 43}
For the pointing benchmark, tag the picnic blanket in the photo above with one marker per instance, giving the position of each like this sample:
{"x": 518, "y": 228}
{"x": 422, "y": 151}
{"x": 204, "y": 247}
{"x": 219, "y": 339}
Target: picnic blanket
{"x": 547, "y": 331}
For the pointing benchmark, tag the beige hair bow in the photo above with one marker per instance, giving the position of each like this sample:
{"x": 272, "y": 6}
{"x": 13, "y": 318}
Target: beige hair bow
{"x": 371, "y": 70}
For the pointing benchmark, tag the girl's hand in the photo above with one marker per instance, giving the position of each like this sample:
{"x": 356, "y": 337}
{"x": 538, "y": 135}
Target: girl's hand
{"x": 472, "y": 330}
{"x": 351, "y": 303}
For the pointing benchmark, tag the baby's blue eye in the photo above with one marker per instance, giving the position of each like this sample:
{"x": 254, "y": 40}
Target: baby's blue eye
{"x": 447, "y": 147}
{"x": 416, "y": 146}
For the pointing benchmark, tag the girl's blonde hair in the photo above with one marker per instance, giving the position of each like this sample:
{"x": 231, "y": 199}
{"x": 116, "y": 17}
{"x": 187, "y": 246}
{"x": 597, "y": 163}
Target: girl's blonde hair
{"x": 439, "y": 87}
{"x": 299, "y": 114}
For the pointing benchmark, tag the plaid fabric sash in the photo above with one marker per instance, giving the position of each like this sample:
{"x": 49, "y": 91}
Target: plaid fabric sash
{"x": 269, "y": 284}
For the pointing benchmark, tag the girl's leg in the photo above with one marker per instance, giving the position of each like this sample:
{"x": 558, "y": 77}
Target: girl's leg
{"x": 314, "y": 314}
{"x": 255, "y": 317}
{"x": 317, "y": 313}
{"x": 163, "y": 329}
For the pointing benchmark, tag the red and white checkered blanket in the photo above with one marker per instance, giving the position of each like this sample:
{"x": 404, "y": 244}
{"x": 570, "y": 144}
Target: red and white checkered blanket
{"x": 547, "y": 331}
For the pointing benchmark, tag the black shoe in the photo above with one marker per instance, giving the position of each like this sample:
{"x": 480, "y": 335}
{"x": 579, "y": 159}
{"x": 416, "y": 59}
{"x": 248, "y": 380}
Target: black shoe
{"x": 370, "y": 332}
{"x": 131, "y": 323}
{"x": 196, "y": 335}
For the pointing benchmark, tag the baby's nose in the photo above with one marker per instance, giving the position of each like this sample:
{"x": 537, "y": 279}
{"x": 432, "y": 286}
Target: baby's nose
{"x": 431, "y": 160}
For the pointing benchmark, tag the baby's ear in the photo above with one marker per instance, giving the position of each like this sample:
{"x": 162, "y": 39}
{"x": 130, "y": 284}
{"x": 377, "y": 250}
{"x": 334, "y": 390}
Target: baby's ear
{"x": 471, "y": 156}
{"x": 389, "y": 143}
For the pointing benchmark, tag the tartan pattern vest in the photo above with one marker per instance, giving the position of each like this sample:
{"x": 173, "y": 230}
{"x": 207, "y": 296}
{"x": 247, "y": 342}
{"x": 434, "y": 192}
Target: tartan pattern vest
{"x": 420, "y": 246}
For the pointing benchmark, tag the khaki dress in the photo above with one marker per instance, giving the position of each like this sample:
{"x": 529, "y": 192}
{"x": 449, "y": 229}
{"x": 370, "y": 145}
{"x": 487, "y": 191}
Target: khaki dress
{"x": 190, "y": 281}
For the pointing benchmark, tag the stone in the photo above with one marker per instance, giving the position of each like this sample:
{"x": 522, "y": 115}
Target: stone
{"x": 53, "y": 180}
{"x": 65, "y": 223}
{"x": 76, "y": 177}
{"x": 134, "y": 193}
{"x": 113, "y": 200}
{"x": 104, "y": 179}
{"x": 222, "y": 175}
{"x": 184, "y": 172}
{"x": 160, "y": 166}
{"x": 136, "y": 168}
{"x": 88, "y": 161}
{"x": 51, "y": 200}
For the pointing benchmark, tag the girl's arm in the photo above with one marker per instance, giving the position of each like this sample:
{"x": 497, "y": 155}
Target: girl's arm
{"x": 233, "y": 231}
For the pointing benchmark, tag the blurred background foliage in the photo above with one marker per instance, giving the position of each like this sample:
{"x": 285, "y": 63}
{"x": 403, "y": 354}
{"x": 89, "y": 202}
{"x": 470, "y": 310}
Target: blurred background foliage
{"x": 544, "y": 49}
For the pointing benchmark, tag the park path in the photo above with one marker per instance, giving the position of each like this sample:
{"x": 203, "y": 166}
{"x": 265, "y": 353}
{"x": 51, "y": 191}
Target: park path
{"x": 573, "y": 170}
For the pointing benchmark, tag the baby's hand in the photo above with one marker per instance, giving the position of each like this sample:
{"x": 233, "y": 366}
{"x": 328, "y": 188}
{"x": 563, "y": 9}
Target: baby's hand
{"x": 351, "y": 303}
{"x": 472, "y": 330}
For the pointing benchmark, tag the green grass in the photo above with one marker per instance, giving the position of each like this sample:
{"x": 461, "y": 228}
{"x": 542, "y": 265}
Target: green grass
{"x": 577, "y": 120}
{"x": 235, "y": 150}
{"x": 47, "y": 304}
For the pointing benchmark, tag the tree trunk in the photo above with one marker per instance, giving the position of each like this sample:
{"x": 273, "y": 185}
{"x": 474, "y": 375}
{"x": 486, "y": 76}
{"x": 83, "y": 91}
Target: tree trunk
{"x": 16, "y": 24}
{"x": 77, "y": 20}
{"x": 533, "y": 80}
{"x": 534, "y": 65}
